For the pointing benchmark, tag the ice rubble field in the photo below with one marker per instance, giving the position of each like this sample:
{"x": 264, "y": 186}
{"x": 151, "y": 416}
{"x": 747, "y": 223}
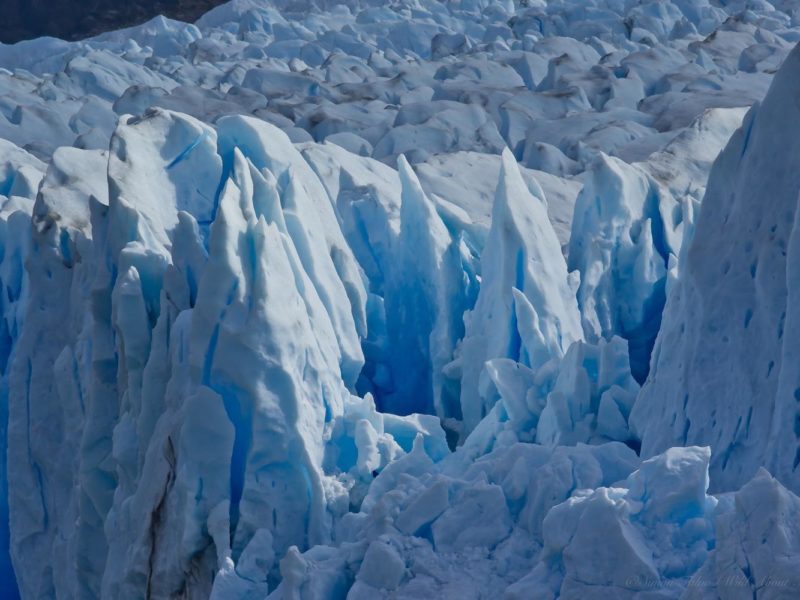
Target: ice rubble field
{"x": 410, "y": 300}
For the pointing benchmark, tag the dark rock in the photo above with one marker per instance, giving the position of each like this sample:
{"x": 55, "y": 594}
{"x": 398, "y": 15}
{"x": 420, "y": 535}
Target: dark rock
{"x": 77, "y": 19}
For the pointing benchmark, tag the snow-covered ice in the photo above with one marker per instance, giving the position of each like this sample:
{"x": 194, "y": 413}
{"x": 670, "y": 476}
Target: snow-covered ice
{"x": 345, "y": 299}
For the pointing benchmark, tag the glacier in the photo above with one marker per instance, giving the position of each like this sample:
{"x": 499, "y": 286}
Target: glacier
{"x": 752, "y": 272}
{"x": 345, "y": 299}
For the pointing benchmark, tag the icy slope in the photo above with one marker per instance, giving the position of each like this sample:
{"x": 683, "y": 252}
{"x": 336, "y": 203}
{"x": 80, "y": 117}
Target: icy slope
{"x": 736, "y": 295}
{"x": 315, "y": 300}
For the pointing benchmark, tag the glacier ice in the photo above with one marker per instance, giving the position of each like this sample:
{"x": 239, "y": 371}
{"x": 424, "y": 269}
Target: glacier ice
{"x": 756, "y": 542}
{"x": 656, "y": 525}
{"x": 730, "y": 300}
{"x": 424, "y": 321}
{"x": 537, "y": 323}
{"x": 361, "y": 300}
{"x": 178, "y": 308}
{"x": 620, "y": 245}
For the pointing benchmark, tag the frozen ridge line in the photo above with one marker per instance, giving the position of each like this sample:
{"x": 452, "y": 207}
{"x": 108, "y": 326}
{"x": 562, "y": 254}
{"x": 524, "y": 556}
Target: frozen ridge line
{"x": 319, "y": 300}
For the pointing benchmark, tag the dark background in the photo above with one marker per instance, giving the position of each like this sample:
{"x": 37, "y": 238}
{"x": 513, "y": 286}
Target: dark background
{"x": 76, "y": 19}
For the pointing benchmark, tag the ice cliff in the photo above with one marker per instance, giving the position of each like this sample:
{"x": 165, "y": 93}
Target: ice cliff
{"x": 736, "y": 294}
{"x": 351, "y": 300}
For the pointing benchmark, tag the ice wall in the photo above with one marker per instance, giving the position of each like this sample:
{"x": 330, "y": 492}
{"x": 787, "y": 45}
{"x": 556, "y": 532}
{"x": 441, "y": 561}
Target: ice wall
{"x": 197, "y": 403}
{"x": 723, "y": 372}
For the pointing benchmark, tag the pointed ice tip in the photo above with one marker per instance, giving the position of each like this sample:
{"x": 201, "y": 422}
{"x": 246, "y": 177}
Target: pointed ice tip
{"x": 518, "y": 295}
{"x": 262, "y": 224}
{"x": 511, "y": 182}
{"x": 407, "y": 175}
{"x": 239, "y": 167}
{"x": 419, "y": 445}
{"x": 369, "y": 401}
{"x": 239, "y": 159}
{"x": 410, "y": 187}
{"x": 763, "y": 474}
{"x": 508, "y": 164}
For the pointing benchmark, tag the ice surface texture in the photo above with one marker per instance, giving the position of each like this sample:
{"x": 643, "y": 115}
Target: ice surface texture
{"x": 317, "y": 300}
{"x": 736, "y": 295}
